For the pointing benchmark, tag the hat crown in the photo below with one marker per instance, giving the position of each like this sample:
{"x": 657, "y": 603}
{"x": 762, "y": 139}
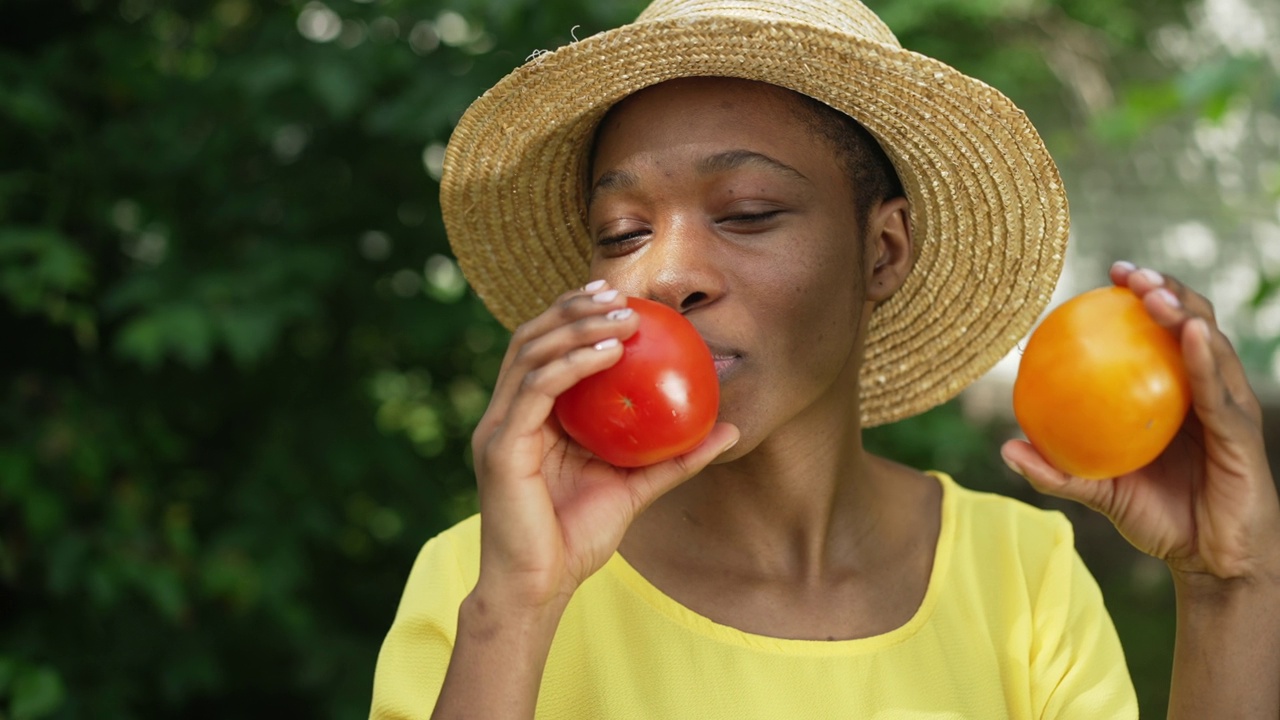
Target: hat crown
{"x": 847, "y": 17}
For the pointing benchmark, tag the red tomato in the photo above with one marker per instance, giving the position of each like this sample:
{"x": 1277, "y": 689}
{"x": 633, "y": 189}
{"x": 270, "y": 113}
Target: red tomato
{"x": 1101, "y": 389}
{"x": 659, "y": 401}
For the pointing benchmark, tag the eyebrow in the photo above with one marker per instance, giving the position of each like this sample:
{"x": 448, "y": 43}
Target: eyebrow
{"x": 615, "y": 180}
{"x": 734, "y": 159}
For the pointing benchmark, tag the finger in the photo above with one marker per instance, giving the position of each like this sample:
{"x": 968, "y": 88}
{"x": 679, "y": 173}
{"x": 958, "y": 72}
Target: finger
{"x": 650, "y": 483}
{"x": 1183, "y": 311}
{"x": 1120, "y": 271}
{"x": 1168, "y": 300}
{"x": 536, "y": 394}
{"x": 1025, "y": 460}
{"x": 618, "y": 324}
{"x": 1172, "y": 304}
{"x": 595, "y": 296}
{"x": 570, "y": 308}
{"x": 1221, "y": 396}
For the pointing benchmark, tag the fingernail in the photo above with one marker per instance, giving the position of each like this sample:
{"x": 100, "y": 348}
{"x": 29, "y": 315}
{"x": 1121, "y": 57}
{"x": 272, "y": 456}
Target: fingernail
{"x": 619, "y": 314}
{"x": 1124, "y": 265}
{"x": 1168, "y": 298}
{"x": 606, "y": 344}
{"x": 1151, "y": 276}
{"x": 593, "y": 286}
{"x": 607, "y": 296}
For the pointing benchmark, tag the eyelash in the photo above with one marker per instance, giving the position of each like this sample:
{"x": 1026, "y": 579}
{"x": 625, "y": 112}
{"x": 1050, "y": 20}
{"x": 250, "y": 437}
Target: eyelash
{"x": 747, "y": 218}
{"x": 619, "y": 239}
{"x": 753, "y": 217}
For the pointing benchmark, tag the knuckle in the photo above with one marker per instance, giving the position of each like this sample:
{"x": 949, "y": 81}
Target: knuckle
{"x": 583, "y": 330}
{"x": 534, "y": 381}
{"x": 1252, "y": 409}
{"x": 522, "y": 335}
{"x": 568, "y": 296}
{"x": 567, "y": 307}
{"x": 574, "y": 358}
{"x": 523, "y": 353}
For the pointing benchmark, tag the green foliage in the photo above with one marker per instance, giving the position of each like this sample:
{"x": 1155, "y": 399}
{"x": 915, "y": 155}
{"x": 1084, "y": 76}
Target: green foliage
{"x": 240, "y": 368}
{"x": 1206, "y": 91}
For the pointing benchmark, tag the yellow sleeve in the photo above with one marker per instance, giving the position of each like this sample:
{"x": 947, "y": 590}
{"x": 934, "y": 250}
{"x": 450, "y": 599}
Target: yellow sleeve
{"x": 415, "y": 654}
{"x": 1078, "y": 668}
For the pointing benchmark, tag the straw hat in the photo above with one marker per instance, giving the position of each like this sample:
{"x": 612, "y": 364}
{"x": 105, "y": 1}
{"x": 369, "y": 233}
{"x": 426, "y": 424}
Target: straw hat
{"x": 987, "y": 205}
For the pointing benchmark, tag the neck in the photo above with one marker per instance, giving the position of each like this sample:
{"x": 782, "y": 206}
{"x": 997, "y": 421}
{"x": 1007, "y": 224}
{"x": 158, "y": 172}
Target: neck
{"x": 806, "y": 505}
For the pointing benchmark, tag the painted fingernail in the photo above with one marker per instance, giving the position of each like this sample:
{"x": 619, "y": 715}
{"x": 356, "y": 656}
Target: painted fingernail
{"x": 1151, "y": 276}
{"x": 1124, "y": 265}
{"x": 607, "y": 296}
{"x": 606, "y": 344}
{"x": 593, "y": 286}
{"x": 1168, "y": 298}
{"x": 619, "y": 314}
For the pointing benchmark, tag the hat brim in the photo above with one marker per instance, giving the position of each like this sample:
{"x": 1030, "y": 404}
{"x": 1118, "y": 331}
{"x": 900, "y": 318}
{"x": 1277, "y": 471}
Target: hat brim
{"x": 988, "y": 210}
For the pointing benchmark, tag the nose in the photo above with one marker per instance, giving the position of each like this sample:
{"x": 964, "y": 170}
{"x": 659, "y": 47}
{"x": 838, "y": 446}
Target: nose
{"x": 680, "y": 266}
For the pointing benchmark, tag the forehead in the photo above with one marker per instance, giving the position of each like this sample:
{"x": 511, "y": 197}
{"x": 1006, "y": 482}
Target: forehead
{"x": 692, "y": 111}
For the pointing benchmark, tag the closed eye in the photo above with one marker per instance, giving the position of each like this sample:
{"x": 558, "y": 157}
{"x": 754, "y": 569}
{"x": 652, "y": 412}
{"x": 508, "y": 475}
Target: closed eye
{"x": 620, "y": 238}
{"x": 751, "y": 217}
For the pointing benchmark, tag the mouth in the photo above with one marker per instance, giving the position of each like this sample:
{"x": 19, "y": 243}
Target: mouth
{"x": 726, "y": 361}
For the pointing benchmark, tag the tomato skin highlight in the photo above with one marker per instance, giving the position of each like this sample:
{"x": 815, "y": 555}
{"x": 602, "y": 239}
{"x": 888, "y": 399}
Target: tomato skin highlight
{"x": 1101, "y": 388}
{"x": 659, "y": 401}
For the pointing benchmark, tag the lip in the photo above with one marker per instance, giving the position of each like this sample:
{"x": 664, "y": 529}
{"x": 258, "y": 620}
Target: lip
{"x": 727, "y": 360}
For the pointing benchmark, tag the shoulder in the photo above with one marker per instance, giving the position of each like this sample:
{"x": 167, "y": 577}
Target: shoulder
{"x": 996, "y": 533}
{"x": 989, "y": 514}
{"x": 446, "y": 567}
{"x": 461, "y": 541}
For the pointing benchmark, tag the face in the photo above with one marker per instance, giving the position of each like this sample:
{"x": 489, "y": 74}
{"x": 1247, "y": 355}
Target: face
{"x": 712, "y": 196}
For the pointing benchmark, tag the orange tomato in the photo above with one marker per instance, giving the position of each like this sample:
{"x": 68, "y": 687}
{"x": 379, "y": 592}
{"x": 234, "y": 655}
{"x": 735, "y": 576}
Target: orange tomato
{"x": 1101, "y": 388}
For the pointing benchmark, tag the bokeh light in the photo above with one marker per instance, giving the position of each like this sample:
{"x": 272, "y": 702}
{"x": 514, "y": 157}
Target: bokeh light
{"x": 318, "y": 23}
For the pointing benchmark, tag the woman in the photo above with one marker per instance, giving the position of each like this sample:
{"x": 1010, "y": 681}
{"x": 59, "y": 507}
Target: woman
{"x": 842, "y": 279}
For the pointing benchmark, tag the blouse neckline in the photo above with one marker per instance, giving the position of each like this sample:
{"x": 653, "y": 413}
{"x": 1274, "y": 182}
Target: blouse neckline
{"x": 621, "y": 570}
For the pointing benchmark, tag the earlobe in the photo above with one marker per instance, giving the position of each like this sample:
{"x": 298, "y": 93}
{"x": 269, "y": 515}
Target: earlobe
{"x": 890, "y": 247}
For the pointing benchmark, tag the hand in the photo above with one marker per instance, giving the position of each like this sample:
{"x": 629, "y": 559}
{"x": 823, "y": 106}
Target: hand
{"x": 1207, "y": 506}
{"x": 552, "y": 512}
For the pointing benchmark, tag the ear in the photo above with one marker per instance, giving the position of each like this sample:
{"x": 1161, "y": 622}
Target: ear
{"x": 890, "y": 249}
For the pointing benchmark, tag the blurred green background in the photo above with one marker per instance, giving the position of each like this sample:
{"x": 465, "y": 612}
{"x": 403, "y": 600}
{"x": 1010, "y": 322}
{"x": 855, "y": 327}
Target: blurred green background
{"x": 240, "y": 367}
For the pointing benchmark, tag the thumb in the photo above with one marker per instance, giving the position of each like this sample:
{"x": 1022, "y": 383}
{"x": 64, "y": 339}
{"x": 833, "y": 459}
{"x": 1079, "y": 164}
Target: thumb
{"x": 1025, "y": 460}
{"x": 650, "y": 483}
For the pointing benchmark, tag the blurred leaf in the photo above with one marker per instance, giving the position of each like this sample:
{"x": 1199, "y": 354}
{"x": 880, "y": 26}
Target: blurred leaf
{"x": 8, "y": 670}
{"x": 1211, "y": 82}
{"x": 1268, "y": 287}
{"x": 37, "y": 693}
{"x": 1141, "y": 109}
{"x": 39, "y": 267}
{"x": 248, "y": 335}
{"x": 339, "y": 87}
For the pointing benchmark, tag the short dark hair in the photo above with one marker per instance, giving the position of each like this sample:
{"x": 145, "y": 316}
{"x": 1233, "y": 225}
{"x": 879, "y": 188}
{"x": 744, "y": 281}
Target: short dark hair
{"x": 870, "y": 173}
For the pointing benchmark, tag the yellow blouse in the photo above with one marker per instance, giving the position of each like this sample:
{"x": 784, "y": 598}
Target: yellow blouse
{"x": 1011, "y": 626}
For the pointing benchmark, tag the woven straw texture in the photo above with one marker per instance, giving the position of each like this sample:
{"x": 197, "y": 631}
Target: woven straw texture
{"x": 987, "y": 206}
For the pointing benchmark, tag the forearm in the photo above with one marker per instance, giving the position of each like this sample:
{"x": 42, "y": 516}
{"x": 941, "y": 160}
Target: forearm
{"x": 1226, "y": 661}
{"x": 497, "y": 663}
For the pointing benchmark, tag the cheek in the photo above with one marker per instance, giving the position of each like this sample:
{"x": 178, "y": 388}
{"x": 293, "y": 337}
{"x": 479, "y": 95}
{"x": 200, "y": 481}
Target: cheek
{"x": 819, "y": 312}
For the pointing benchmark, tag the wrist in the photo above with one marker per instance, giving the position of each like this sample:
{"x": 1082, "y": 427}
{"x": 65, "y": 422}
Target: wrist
{"x": 1260, "y": 576}
{"x": 1206, "y": 595}
{"x": 486, "y": 614}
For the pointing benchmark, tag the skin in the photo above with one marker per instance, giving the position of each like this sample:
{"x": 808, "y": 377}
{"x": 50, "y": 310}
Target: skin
{"x": 780, "y": 507}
